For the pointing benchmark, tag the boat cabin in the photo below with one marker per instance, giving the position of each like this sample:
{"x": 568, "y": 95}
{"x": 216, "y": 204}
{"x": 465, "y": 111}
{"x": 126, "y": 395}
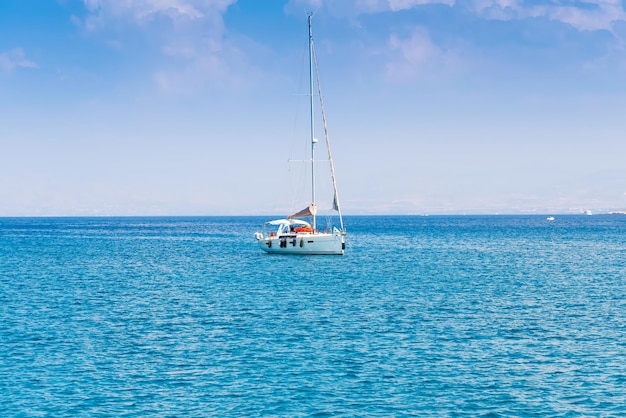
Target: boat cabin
{"x": 289, "y": 226}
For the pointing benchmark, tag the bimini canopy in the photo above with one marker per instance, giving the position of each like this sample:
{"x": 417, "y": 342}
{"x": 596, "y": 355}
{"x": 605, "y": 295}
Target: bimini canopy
{"x": 310, "y": 210}
{"x": 288, "y": 222}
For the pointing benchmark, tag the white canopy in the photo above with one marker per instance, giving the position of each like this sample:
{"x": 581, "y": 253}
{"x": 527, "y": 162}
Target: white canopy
{"x": 288, "y": 222}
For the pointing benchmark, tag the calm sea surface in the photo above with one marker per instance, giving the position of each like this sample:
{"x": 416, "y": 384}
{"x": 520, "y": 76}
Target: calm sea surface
{"x": 423, "y": 316}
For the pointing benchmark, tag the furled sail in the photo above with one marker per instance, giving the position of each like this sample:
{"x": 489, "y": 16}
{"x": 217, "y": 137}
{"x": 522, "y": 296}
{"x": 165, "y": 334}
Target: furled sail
{"x": 330, "y": 156}
{"x": 310, "y": 210}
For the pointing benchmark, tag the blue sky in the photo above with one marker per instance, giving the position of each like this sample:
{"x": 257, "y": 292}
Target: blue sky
{"x": 191, "y": 107}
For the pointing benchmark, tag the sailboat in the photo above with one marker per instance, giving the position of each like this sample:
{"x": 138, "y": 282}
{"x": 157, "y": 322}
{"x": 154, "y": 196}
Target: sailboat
{"x": 299, "y": 233}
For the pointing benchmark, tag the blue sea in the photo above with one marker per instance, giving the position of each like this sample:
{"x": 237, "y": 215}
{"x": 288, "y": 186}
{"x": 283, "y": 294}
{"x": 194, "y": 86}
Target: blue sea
{"x": 423, "y": 316}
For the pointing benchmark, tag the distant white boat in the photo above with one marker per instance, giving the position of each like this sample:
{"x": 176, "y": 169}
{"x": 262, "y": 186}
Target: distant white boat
{"x": 294, "y": 235}
{"x": 588, "y": 212}
{"x": 550, "y": 218}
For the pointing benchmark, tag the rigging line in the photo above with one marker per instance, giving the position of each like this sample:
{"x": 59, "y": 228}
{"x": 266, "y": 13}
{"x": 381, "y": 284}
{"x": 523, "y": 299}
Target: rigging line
{"x": 330, "y": 157}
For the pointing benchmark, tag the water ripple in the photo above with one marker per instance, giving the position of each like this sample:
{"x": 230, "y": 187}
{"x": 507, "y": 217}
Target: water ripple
{"x": 437, "y": 316}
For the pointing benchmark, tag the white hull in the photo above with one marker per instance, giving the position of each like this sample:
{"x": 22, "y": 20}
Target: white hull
{"x": 305, "y": 244}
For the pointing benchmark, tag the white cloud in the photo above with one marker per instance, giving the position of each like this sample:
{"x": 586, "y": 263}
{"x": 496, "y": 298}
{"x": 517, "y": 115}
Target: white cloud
{"x": 219, "y": 67}
{"x": 182, "y": 14}
{"x": 13, "y": 59}
{"x": 188, "y": 36}
{"x": 417, "y": 56}
{"x": 602, "y": 16}
{"x": 142, "y": 11}
{"x": 397, "y": 5}
{"x": 582, "y": 14}
{"x": 412, "y": 54}
{"x": 357, "y": 7}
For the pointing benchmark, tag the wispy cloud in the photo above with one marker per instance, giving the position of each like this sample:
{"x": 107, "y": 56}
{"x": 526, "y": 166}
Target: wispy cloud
{"x": 187, "y": 34}
{"x": 13, "y": 59}
{"x": 357, "y": 7}
{"x": 222, "y": 67}
{"x": 103, "y": 12}
{"x": 417, "y": 56}
{"x": 397, "y": 5}
{"x": 586, "y": 15}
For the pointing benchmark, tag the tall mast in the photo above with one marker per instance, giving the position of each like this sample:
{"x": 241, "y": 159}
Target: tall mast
{"x": 313, "y": 140}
